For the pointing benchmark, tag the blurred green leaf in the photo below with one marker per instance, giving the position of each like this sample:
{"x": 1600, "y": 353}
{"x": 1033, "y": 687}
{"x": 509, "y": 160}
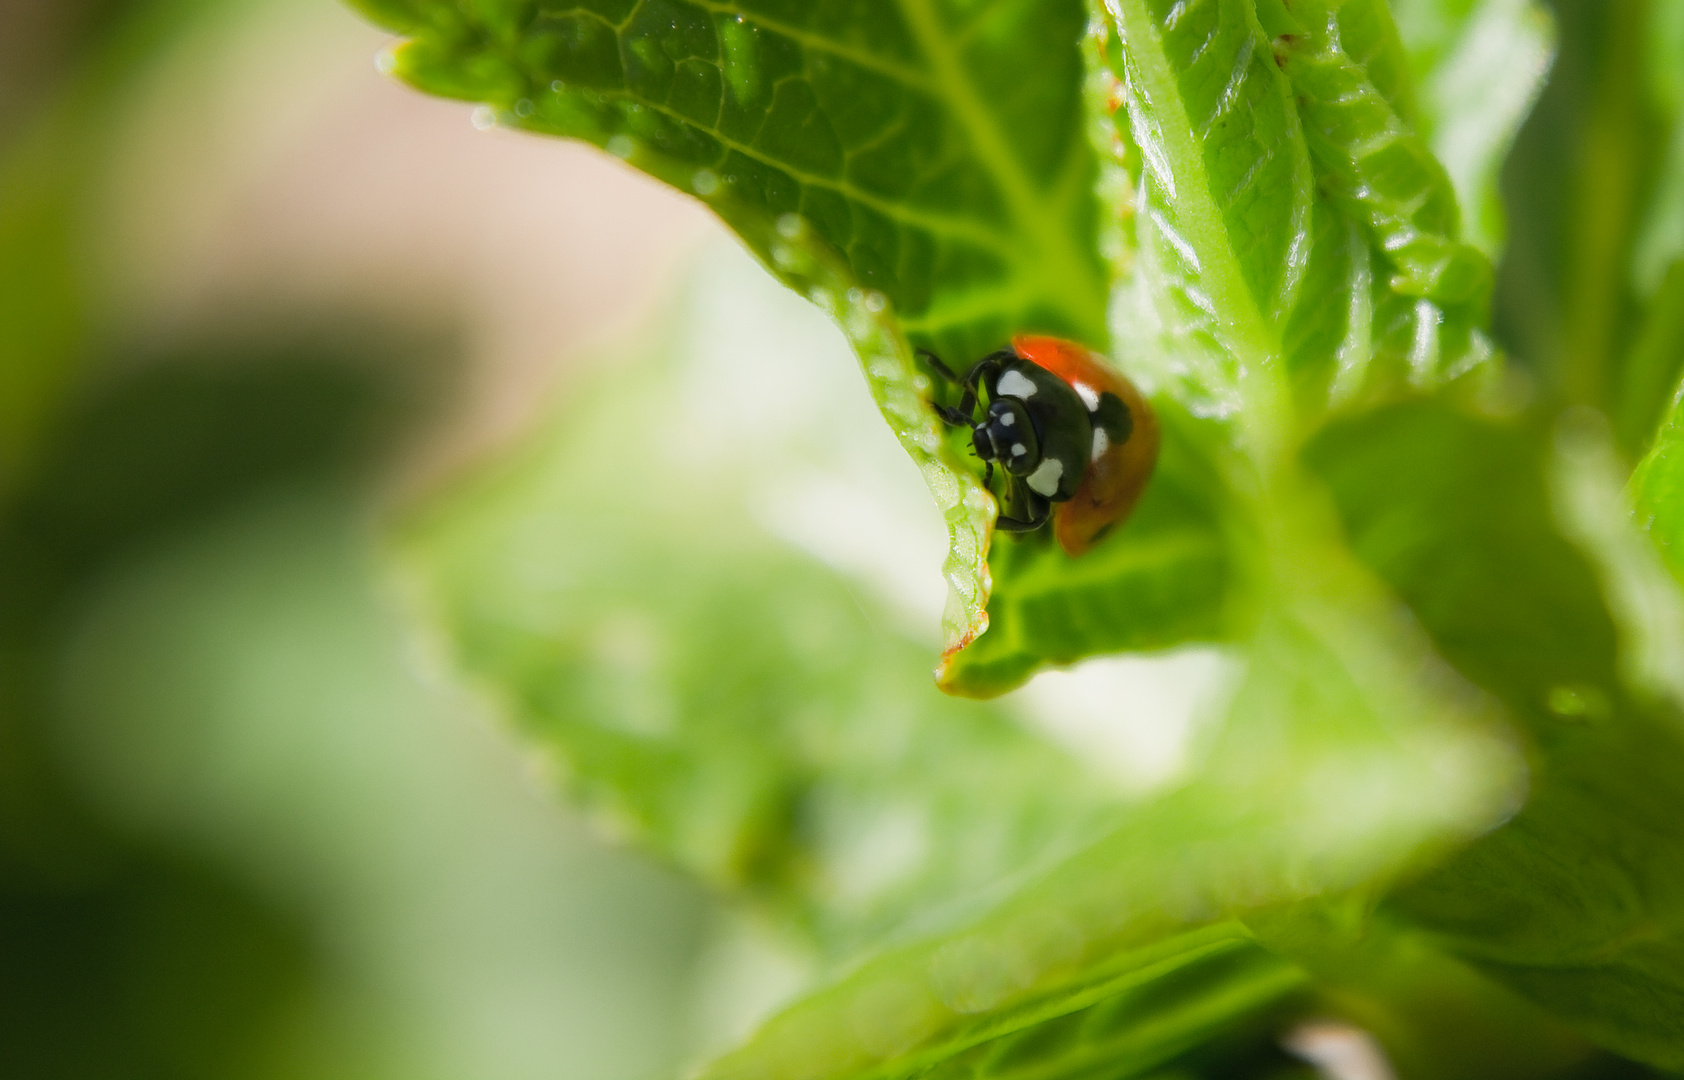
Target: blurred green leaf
{"x": 1643, "y": 415}
{"x": 1579, "y": 901}
{"x": 729, "y": 703}
{"x": 41, "y": 298}
{"x": 1655, "y": 360}
{"x": 1581, "y": 186}
{"x": 718, "y": 699}
{"x": 1313, "y": 791}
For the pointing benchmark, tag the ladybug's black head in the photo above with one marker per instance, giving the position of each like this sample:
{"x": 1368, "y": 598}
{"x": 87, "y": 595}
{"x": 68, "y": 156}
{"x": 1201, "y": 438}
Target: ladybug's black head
{"x": 1005, "y": 434}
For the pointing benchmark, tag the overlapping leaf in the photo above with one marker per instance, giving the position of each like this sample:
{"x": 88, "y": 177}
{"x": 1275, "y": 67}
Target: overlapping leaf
{"x": 1578, "y": 902}
{"x": 1287, "y": 213}
{"x": 1315, "y": 791}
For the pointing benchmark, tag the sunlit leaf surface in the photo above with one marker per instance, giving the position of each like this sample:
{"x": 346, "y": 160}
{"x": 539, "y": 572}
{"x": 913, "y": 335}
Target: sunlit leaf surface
{"x": 869, "y": 153}
{"x": 1287, "y": 214}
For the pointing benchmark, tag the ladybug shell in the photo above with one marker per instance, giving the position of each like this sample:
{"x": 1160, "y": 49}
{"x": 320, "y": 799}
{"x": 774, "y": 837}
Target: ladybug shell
{"x": 1118, "y": 474}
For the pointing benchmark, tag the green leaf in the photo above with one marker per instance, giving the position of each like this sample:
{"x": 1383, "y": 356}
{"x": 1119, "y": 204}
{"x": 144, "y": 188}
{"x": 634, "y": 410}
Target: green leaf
{"x": 1578, "y": 902}
{"x": 1294, "y": 245}
{"x": 869, "y": 154}
{"x": 1287, "y": 218}
{"x": 1228, "y": 193}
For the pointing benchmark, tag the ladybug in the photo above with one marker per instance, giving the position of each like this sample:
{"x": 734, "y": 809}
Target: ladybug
{"x": 1076, "y": 441}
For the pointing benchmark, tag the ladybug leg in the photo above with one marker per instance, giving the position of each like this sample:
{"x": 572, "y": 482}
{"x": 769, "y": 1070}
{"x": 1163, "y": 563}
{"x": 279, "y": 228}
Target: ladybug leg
{"x": 935, "y": 361}
{"x": 1035, "y": 508}
{"x": 954, "y": 417}
{"x": 1013, "y": 525}
{"x": 988, "y": 476}
{"x": 992, "y": 361}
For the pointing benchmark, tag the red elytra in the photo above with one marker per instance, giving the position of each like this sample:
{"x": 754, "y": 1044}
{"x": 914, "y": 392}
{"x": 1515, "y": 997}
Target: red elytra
{"x": 1114, "y": 480}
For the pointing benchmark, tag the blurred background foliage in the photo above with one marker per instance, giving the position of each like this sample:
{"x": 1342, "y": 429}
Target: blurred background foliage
{"x": 239, "y": 836}
{"x": 253, "y": 299}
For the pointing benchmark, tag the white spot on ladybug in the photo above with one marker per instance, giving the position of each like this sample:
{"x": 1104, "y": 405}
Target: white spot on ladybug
{"x": 1015, "y": 384}
{"x": 1008, "y": 420}
{"x": 1044, "y": 480}
{"x": 1018, "y": 449}
{"x": 1101, "y": 443}
{"x": 1089, "y": 396}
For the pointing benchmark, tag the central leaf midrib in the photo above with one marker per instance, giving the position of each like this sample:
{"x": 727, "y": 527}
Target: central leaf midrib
{"x": 1218, "y": 261}
{"x": 1039, "y": 227}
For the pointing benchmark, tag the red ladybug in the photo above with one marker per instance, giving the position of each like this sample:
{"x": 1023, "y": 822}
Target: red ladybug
{"x": 1075, "y": 439}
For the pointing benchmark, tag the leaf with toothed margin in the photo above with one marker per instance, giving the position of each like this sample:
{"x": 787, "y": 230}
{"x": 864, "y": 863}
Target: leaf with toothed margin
{"x": 1285, "y": 214}
{"x": 867, "y": 152}
{"x": 1161, "y": 581}
{"x": 1380, "y": 171}
{"x": 1479, "y": 66}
